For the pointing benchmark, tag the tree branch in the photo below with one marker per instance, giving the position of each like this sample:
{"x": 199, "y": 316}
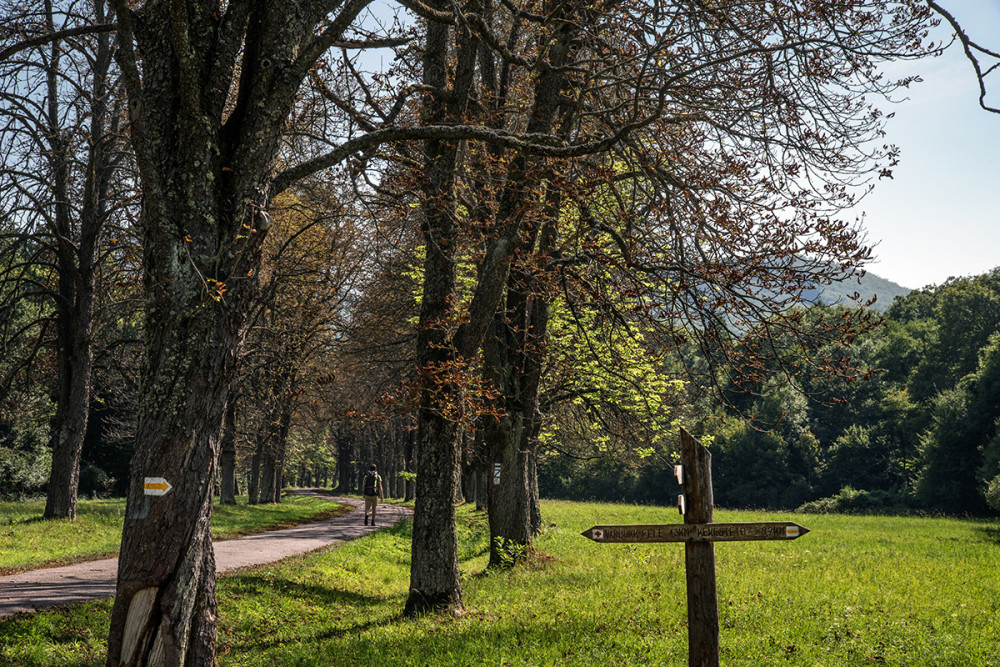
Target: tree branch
{"x": 971, "y": 48}
{"x": 42, "y": 40}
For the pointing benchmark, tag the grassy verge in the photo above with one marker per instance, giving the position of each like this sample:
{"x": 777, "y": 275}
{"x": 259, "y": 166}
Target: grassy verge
{"x": 27, "y": 541}
{"x": 855, "y": 591}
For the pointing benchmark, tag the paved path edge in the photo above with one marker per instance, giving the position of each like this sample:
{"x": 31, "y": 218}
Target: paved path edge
{"x": 37, "y": 590}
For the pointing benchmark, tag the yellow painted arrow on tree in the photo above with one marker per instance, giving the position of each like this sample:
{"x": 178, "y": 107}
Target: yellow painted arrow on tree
{"x": 156, "y": 486}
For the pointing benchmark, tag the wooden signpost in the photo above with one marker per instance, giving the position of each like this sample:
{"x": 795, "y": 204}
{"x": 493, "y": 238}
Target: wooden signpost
{"x": 699, "y": 534}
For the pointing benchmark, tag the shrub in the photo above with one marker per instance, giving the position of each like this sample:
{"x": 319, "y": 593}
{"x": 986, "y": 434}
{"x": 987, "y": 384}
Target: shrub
{"x": 993, "y": 493}
{"x": 24, "y": 467}
{"x": 857, "y": 501}
{"x": 94, "y": 481}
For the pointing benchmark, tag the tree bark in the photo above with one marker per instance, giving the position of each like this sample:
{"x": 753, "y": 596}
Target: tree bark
{"x": 268, "y": 474}
{"x": 165, "y": 602}
{"x": 69, "y": 425}
{"x": 206, "y": 159}
{"x": 434, "y": 573}
{"x": 202, "y": 225}
{"x": 279, "y": 447}
{"x": 508, "y": 508}
{"x": 533, "y": 496}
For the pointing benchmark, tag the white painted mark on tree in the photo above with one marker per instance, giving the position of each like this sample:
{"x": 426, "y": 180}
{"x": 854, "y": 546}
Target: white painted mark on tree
{"x": 496, "y": 474}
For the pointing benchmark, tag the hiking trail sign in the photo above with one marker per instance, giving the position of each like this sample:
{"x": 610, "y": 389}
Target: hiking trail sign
{"x": 155, "y": 486}
{"x": 699, "y": 534}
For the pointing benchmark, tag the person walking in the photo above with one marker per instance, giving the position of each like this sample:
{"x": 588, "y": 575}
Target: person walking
{"x": 371, "y": 489}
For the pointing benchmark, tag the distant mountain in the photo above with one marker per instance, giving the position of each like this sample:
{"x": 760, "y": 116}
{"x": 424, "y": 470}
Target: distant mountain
{"x": 871, "y": 285}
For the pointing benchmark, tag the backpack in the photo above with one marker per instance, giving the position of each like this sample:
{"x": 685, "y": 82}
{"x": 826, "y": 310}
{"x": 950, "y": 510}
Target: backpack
{"x": 369, "y": 486}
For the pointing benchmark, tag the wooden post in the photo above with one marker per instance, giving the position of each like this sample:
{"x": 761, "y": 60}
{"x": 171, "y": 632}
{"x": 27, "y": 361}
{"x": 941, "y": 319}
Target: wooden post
{"x": 703, "y": 602}
{"x": 699, "y": 534}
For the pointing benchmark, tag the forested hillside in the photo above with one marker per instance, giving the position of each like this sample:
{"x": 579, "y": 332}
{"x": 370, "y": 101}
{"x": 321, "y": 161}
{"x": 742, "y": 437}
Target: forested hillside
{"x": 867, "y": 288}
{"x": 918, "y": 432}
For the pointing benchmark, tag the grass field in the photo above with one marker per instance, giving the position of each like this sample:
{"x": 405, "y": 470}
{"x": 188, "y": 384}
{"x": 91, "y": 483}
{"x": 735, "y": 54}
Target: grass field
{"x": 27, "y": 541}
{"x": 855, "y": 591}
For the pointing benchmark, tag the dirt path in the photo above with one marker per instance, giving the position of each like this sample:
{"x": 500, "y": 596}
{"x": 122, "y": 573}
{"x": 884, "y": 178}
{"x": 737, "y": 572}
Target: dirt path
{"x": 40, "y": 589}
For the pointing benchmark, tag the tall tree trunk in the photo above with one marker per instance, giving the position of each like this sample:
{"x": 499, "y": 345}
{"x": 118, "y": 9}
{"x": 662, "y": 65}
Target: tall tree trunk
{"x": 279, "y": 447}
{"x": 479, "y": 463}
{"x": 254, "y": 490}
{"x": 469, "y": 483}
{"x": 203, "y": 222}
{"x": 206, "y": 159}
{"x": 459, "y": 465}
{"x": 482, "y": 488}
{"x": 513, "y": 357}
{"x": 434, "y": 568}
{"x": 434, "y": 571}
{"x": 346, "y": 459}
{"x": 268, "y": 476}
{"x": 393, "y": 454}
{"x": 514, "y": 349}
{"x": 508, "y": 504}
{"x": 164, "y": 610}
{"x": 227, "y": 461}
{"x": 533, "y": 497}
{"x": 76, "y": 259}
{"x": 69, "y": 425}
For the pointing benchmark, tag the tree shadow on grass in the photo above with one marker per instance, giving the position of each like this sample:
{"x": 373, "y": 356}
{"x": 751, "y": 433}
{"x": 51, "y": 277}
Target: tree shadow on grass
{"x": 353, "y": 615}
{"x": 478, "y": 638}
{"x": 989, "y": 533}
{"x": 249, "y": 585}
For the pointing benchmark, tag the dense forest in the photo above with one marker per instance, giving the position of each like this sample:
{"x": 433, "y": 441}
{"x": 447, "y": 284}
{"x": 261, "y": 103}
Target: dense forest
{"x": 918, "y": 432}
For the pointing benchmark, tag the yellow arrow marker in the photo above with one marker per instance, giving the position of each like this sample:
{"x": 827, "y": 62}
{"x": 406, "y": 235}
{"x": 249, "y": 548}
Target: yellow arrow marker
{"x": 156, "y": 486}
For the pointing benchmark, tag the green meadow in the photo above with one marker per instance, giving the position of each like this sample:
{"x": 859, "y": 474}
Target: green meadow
{"x": 854, "y": 591}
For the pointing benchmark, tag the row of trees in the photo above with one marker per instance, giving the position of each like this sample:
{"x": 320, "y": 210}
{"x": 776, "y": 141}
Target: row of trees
{"x": 539, "y": 222}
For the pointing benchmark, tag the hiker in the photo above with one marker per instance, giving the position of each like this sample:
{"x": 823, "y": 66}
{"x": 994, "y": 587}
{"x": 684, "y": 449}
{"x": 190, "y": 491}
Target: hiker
{"x": 371, "y": 489}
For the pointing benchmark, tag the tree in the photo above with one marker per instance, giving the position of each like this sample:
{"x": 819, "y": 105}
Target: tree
{"x": 63, "y": 155}
{"x": 727, "y": 164}
{"x": 312, "y": 259}
{"x": 210, "y": 88}
{"x": 959, "y": 454}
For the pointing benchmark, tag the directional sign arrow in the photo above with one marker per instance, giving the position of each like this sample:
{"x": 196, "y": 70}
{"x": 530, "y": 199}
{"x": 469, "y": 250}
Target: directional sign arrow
{"x": 156, "y": 486}
{"x": 697, "y": 532}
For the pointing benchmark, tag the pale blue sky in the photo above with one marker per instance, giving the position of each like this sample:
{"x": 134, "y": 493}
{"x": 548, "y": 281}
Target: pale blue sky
{"x": 940, "y": 214}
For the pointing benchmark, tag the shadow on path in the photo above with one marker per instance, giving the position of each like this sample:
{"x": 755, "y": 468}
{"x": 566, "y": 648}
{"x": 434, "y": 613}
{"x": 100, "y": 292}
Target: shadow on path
{"x": 35, "y": 590}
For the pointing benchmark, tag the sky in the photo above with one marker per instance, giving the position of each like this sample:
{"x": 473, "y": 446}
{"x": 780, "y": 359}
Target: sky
{"x": 939, "y": 216}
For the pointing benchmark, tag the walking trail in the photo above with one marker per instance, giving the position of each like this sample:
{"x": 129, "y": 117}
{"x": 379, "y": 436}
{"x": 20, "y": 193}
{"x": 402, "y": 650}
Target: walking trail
{"x": 49, "y": 587}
